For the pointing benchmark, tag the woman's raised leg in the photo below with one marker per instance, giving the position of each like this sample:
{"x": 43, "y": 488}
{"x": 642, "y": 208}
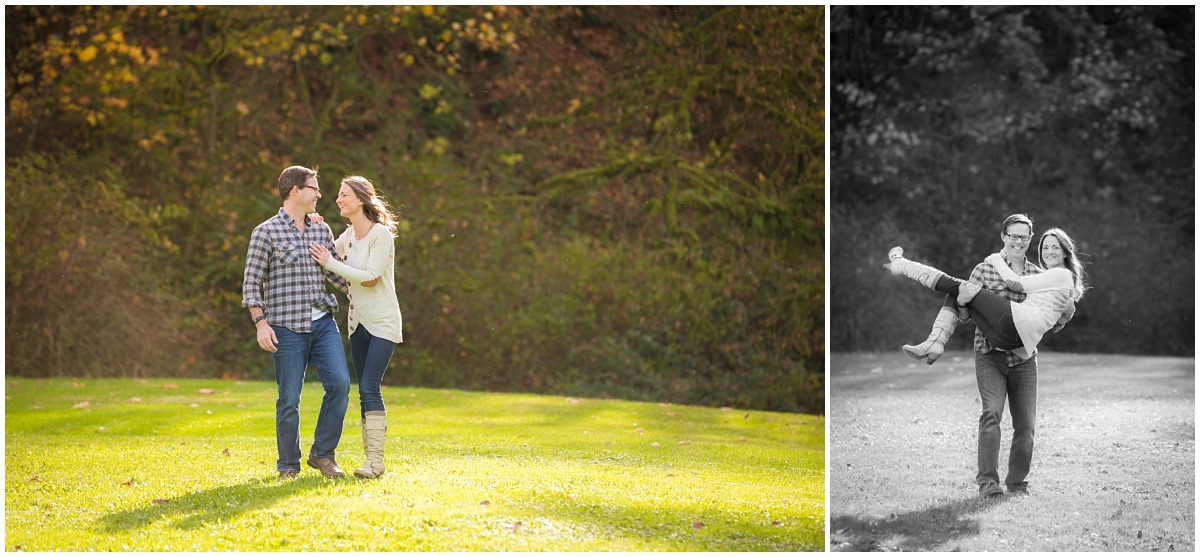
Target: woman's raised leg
{"x": 943, "y": 326}
{"x": 929, "y": 277}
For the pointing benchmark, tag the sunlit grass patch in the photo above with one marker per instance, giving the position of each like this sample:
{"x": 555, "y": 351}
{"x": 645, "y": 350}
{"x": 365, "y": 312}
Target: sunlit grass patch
{"x": 160, "y": 465}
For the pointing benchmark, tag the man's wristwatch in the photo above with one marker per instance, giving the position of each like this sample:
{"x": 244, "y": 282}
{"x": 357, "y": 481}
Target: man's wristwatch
{"x": 259, "y": 318}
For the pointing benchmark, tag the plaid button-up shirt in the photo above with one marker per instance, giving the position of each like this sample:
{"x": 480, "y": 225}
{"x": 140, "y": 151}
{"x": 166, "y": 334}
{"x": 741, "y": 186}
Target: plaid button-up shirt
{"x": 986, "y": 276}
{"x": 278, "y": 262}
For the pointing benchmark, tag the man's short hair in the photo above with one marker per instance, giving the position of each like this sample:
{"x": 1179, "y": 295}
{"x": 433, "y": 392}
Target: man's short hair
{"x": 1018, "y": 218}
{"x": 293, "y": 177}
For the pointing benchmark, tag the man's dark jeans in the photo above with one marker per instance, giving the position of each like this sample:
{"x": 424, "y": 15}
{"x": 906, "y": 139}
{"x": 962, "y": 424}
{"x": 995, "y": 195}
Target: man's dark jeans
{"x": 1018, "y": 384}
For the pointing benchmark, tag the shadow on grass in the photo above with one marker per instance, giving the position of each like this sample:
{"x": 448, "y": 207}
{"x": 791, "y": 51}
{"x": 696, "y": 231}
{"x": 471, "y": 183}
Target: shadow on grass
{"x": 922, "y": 530}
{"x": 223, "y": 503}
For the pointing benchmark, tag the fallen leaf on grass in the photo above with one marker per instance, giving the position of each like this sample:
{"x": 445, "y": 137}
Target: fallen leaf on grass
{"x": 225, "y": 452}
{"x": 726, "y": 409}
{"x": 241, "y": 406}
{"x": 573, "y": 400}
{"x": 698, "y": 525}
{"x": 672, "y": 414}
{"x": 161, "y": 501}
{"x": 640, "y": 431}
{"x": 484, "y": 503}
{"x": 743, "y": 439}
{"x": 37, "y": 407}
{"x": 194, "y": 405}
{"x": 170, "y": 386}
{"x": 685, "y": 442}
{"x": 208, "y": 391}
{"x": 776, "y": 523}
{"x": 127, "y": 484}
{"x": 135, "y": 399}
{"x": 654, "y": 444}
{"x": 33, "y": 479}
{"x": 84, "y": 404}
{"x": 746, "y": 416}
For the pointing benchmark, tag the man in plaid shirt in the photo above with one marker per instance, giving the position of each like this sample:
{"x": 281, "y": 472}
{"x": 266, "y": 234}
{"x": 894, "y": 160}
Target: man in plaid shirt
{"x": 1001, "y": 373}
{"x": 284, "y": 288}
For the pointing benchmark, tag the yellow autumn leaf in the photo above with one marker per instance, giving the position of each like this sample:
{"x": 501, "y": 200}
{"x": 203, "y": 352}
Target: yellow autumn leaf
{"x": 427, "y": 10}
{"x": 87, "y": 54}
{"x": 242, "y": 108}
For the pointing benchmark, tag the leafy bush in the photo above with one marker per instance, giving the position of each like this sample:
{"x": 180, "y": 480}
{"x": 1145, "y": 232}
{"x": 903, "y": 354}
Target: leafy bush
{"x": 81, "y": 287}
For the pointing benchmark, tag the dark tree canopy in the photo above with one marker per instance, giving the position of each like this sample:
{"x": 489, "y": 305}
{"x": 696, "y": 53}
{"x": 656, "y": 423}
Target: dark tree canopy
{"x": 947, "y": 119}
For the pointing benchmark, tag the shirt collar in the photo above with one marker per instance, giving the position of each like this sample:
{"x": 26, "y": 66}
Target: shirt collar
{"x": 287, "y": 219}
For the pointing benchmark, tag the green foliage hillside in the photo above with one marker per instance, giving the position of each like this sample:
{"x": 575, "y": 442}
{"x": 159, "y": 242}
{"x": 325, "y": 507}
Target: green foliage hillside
{"x": 600, "y": 201}
{"x": 948, "y": 119}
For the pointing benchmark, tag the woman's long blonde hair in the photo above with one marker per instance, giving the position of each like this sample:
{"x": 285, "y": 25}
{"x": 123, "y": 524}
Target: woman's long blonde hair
{"x": 1070, "y": 259}
{"x": 374, "y": 207}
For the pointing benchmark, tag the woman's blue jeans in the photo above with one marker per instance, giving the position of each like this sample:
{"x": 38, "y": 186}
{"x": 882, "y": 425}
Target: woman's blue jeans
{"x": 323, "y": 349}
{"x": 371, "y": 357}
{"x": 1019, "y": 384}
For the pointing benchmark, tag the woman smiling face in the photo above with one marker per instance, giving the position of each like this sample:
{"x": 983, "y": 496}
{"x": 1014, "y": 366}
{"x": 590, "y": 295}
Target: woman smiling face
{"x": 1052, "y": 252}
{"x": 348, "y": 202}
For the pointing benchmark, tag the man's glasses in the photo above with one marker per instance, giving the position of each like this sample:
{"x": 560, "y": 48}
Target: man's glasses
{"x": 1018, "y": 237}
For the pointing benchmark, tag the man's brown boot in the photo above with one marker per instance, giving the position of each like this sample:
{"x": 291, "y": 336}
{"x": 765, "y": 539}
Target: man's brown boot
{"x": 327, "y": 466}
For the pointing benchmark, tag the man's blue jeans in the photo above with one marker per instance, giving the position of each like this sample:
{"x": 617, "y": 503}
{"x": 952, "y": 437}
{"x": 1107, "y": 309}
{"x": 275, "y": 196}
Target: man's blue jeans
{"x": 323, "y": 349}
{"x": 1019, "y": 384}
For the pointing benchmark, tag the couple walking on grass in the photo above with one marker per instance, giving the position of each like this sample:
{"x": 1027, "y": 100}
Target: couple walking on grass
{"x": 290, "y": 256}
{"x": 1013, "y": 303}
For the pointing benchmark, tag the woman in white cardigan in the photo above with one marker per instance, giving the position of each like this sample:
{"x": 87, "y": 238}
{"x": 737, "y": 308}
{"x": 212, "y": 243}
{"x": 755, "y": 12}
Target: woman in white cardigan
{"x": 367, "y": 258}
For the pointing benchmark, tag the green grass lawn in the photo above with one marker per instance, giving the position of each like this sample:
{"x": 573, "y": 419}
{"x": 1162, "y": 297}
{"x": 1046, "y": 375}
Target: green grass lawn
{"x": 188, "y": 464}
{"x": 1114, "y": 459}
